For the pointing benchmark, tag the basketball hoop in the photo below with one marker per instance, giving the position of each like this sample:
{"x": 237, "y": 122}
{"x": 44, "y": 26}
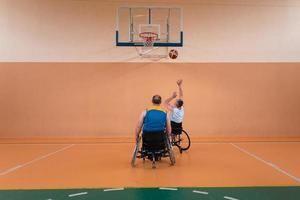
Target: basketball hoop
{"x": 149, "y": 34}
{"x": 148, "y": 38}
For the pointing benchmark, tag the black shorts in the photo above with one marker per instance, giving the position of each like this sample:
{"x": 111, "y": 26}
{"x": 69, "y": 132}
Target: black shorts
{"x": 176, "y": 128}
{"x": 154, "y": 140}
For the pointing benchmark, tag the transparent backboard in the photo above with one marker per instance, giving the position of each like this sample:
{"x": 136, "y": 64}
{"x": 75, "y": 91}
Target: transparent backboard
{"x": 166, "y": 22}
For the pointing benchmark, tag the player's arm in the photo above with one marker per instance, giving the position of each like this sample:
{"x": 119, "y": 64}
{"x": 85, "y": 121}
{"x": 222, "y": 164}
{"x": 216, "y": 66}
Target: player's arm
{"x": 167, "y": 102}
{"x": 139, "y": 125}
{"x": 168, "y": 127}
{"x": 179, "y": 83}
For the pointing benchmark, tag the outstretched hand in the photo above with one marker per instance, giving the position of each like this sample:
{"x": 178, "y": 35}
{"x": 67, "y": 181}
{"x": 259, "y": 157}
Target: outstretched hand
{"x": 179, "y": 82}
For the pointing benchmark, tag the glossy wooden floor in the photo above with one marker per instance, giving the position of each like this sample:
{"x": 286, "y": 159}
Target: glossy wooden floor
{"x": 100, "y": 165}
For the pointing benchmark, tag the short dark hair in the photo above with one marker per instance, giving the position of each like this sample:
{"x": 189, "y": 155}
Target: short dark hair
{"x": 179, "y": 103}
{"x": 156, "y": 99}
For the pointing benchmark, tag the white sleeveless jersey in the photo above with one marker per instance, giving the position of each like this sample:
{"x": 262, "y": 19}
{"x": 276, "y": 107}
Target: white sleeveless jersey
{"x": 177, "y": 115}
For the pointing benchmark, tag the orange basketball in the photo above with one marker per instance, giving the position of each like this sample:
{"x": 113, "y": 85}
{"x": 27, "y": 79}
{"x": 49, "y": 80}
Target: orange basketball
{"x": 173, "y": 54}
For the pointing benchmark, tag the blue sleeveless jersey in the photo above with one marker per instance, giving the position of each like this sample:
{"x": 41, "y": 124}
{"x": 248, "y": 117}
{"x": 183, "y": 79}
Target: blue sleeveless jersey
{"x": 155, "y": 120}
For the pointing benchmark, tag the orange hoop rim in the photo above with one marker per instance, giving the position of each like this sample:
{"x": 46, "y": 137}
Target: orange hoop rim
{"x": 148, "y": 36}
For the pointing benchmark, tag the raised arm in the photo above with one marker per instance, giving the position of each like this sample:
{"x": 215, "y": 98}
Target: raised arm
{"x": 139, "y": 125}
{"x": 168, "y": 100}
{"x": 179, "y": 83}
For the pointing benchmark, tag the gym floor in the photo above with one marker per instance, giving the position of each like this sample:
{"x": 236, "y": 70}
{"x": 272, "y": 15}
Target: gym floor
{"x": 209, "y": 170}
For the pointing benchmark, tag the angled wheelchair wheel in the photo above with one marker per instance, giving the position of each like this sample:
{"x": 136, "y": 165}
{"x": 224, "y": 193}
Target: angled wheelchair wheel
{"x": 135, "y": 152}
{"x": 172, "y": 157}
{"x": 184, "y": 141}
{"x": 170, "y": 152}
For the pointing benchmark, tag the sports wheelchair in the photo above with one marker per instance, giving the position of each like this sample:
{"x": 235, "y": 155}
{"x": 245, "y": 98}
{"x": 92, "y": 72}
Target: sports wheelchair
{"x": 154, "y": 146}
{"x": 181, "y": 139}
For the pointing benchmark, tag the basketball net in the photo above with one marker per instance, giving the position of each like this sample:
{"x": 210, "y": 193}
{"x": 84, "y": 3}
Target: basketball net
{"x": 148, "y": 50}
{"x": 148, "y": 38}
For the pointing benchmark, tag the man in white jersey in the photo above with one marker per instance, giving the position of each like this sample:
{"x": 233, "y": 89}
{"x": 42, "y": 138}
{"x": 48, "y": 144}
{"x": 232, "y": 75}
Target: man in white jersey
{"x": 176, "y": 109}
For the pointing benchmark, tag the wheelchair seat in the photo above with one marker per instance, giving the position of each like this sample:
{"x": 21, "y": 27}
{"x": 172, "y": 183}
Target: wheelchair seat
{"x": 155, "y": 145}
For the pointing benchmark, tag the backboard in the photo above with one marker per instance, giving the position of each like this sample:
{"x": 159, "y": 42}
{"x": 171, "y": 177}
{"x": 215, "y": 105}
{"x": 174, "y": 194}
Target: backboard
{"x": 166, "y": 22}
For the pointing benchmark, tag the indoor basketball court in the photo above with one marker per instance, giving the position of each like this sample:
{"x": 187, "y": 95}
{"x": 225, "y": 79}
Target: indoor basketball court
{"x": 149, "y": 100}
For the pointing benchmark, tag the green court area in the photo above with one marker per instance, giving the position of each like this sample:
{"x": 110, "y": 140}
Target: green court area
{"x": 203, "y": 193}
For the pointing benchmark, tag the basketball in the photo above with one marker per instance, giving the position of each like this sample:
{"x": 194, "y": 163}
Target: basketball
{"x": 173, "y": 54}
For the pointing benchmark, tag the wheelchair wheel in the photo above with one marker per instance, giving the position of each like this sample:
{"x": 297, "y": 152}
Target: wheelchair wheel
{"x": 170, "y": 152}
{"x": 184, "y": 141}
{"x": 135, "y": 152}
{"x": 172, "y": 157}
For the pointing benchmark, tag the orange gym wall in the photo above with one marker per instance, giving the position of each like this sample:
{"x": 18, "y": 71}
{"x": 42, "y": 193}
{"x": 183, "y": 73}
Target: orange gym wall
{"x": 105, "y": 99}
{"x": 65, "y": 94}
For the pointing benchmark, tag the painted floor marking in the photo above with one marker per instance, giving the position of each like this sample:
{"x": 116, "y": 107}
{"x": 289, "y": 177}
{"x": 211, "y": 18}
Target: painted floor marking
{"x": 34, "y": 160}
{"x": 10, "y": 170}
{"x": 113, "y": 189}
{"x": 164, "y": 188}
{"x": 77, "y": 194}
{"x": 230, "y": 198}
{"x": 200, "y": 192}
{"x": 267, "y": 163}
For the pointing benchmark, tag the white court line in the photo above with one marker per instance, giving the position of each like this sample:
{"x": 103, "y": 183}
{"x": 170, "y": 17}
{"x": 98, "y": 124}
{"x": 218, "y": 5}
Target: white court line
{"x": 113, "y": 189}
{"x": 10, "y": 170}
{"x": 34, "y": 160}
{"x": 230, "y": 198}
{"x": 77, "y": 194}
{"x": 200, "y": 192}
{"x": 164, "y": 188}
{"x": 267, "y": 163}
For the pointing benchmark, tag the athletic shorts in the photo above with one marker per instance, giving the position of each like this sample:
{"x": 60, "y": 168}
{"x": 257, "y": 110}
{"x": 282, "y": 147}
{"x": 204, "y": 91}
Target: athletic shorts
{"x": 176, "y": 128}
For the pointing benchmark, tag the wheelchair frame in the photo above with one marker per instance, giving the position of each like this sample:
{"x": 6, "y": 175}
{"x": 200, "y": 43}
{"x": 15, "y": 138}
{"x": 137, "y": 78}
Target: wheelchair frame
{"x": 151, "y": 155}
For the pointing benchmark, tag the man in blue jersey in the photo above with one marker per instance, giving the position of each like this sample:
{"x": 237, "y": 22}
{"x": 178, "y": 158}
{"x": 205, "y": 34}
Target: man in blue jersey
{"x": 154, "y": 119}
